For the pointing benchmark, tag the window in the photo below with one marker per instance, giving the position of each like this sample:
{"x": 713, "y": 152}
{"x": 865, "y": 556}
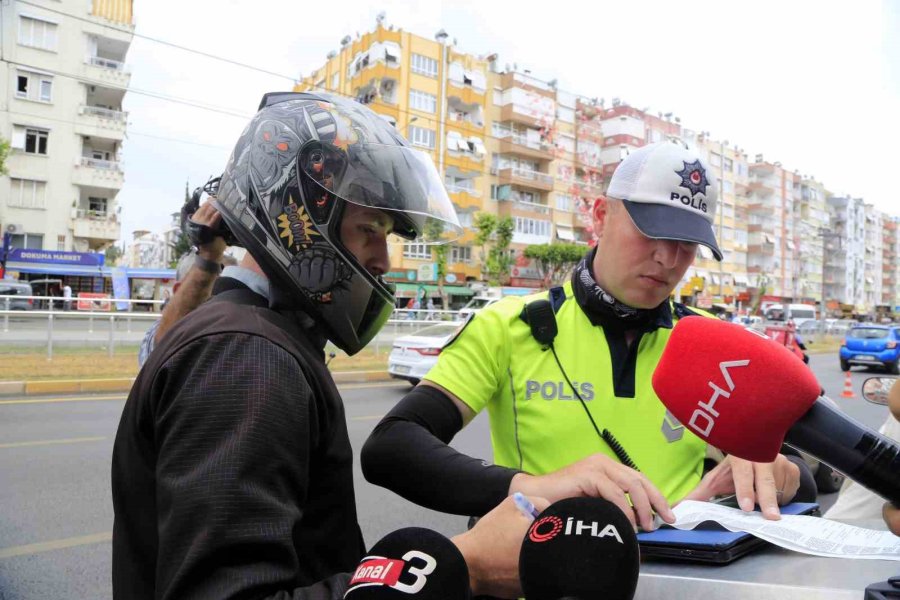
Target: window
{"x": 34, "y": 86}
{"x": 500, "y": 192}
{"x": 26, "y": 193}
{"x": 564, "y": 202}
{"x": 422, "y": 101}
{"x": 419, "y": 136}
{"x": 416, "y": 251}
{"x": 32, "y": 141}
{"x": 460, "y": 254}
{"x": 37, "y": 33}
{"x": 335, "y": 81}
{"x": 28, "y": 241}
{"x": 61, "y": 243}
{"x": 97, "y": 207}
{"x": 532, "y": 227}
{"x": 424, "y": 65}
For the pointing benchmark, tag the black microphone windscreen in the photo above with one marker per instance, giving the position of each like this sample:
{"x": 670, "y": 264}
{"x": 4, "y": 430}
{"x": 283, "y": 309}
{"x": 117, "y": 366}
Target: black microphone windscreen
{"x": 411, "y": 563}
{"x": 580, "y": 548}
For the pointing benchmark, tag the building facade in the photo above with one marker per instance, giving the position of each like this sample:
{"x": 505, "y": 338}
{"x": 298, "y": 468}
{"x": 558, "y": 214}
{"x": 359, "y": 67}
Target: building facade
{"x": 63, "y": 84}
{"x": 515, "y": 146}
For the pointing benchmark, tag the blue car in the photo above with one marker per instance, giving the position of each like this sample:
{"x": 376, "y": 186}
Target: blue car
{"x": 872, "y": 345}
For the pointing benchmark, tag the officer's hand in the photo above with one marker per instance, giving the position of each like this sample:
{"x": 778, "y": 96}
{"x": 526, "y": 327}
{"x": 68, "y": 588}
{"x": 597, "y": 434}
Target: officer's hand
{"x": 600, "y": 476}
{"x": 209, "y": 216}
{"x": 492, "y": 547}
{"x": 767, "y": 484}
{"x": 891, "y": 515}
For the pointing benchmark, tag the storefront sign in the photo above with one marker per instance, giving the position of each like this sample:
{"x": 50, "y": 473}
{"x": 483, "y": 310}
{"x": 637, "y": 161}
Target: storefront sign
{"x": 24, "y": 255}
{"x": 93, "y": 302}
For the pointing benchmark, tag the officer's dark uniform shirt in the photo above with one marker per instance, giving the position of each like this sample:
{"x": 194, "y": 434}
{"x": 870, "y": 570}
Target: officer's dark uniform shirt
{"x": 232, "y": 467}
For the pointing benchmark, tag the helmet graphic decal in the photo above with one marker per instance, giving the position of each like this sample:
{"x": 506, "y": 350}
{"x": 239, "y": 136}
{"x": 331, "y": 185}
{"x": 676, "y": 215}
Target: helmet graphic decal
{"x": 318, "y": 272}
{"x": 296, "y": 227}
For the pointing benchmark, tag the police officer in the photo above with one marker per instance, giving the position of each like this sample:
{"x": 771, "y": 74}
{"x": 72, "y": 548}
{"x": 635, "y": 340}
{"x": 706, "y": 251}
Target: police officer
{"x": 566, "y": 376}
{"x": 232, "y": 468}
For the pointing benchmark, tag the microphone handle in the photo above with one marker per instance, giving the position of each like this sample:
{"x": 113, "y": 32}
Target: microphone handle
{"x": 863, "y": 455}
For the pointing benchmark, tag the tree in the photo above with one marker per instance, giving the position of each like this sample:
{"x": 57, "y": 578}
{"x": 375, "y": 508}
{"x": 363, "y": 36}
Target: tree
{"x": 554, "y": 261}
{"x": 496, "y": 261}
{"x": 4, "y": 153}
{"x": 112, "y": 253}
{"x": 501, "y": 260}
{"x": 182, "y": 243}
{"x": 433, "y": 231}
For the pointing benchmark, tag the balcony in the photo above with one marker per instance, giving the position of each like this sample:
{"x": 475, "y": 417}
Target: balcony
{"x": 463, "y": 197}
{"x": 760, "y": 188}
{"x": 512, "y": 143}
{"x": 107, "y": 71}
{"x": 465, "y": 93}
{"x": 98, "y": 227}
{"x": 92, "y": 172}
{"x": 97, "y": 121}
{"x": 525, "y": 178}
{"x": 516, "y": 114}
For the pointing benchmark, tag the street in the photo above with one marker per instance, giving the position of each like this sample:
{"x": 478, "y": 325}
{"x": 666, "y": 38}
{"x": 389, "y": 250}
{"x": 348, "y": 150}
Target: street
{"x": 55, "y": 464}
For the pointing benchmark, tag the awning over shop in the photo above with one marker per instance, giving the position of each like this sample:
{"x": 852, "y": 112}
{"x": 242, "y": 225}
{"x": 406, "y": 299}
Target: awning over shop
{"x": 53, "y": 269}
{"x": 565, "y": 233}
{"x": 408, "y": 290}
{"x": 86, "y": 271}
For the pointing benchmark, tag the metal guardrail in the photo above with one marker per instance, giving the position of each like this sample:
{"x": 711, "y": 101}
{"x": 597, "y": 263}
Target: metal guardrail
{"x": 135, "y": 324}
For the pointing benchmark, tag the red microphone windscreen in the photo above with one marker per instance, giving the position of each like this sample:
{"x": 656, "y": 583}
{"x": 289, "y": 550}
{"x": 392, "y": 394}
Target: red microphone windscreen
{"x": 733, "y": 387}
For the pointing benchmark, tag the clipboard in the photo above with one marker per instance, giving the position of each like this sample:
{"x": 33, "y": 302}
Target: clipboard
{"x": 709, "y": 542}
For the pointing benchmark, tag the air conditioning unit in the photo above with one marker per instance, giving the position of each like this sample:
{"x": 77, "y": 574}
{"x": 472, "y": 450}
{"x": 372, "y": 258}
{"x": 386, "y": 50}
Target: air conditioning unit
{"x": 14, "y": 229}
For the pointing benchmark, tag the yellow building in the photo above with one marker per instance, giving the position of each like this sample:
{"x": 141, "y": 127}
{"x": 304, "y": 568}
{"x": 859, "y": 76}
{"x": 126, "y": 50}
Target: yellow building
{"x": 505, "y": 143}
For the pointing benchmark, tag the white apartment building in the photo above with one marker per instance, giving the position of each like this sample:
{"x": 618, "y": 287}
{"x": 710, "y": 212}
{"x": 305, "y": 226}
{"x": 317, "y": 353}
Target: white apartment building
{"x": 64, "y": 80}
{"x": 874, "y": 254}
{"x": 844, "y": 271}
{"x": 811, "y": 218}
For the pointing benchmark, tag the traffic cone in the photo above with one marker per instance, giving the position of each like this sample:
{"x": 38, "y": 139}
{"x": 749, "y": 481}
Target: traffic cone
{"x": 848, "y": 386}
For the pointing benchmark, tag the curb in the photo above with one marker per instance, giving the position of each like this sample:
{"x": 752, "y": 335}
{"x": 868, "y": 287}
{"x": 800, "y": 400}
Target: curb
{"x": 92, "y": 386}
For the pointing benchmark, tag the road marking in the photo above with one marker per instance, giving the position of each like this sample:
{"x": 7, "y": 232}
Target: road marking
{"x": 53, "y": 442}
{"x": 345, "y": 386}
{"x": 28, "y": 549}
{"x": 366, "y": 418}
{"x": 66, "y": 399}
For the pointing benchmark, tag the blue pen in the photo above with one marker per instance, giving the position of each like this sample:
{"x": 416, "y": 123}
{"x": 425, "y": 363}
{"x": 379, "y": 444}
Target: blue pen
{"x": 525, "y": 506}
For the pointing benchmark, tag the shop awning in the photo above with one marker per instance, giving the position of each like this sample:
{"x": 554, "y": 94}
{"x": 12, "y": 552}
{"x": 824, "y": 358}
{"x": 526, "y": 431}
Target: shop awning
{"x": 53, "y": 269}
{"x": 565, "y": 233}
{"x": 408, "y": 290}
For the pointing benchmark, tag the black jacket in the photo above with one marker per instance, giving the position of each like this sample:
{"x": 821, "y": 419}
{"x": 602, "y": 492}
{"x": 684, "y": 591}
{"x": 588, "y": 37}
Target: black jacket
{"x": 232, "y": 467}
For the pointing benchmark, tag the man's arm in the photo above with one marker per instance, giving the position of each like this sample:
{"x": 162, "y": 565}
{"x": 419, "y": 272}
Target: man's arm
{"x": 198, "y": 283}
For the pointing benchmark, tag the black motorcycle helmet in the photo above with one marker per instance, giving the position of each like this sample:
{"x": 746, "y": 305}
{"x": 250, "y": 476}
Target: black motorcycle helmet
{"x": 284, "y": 190}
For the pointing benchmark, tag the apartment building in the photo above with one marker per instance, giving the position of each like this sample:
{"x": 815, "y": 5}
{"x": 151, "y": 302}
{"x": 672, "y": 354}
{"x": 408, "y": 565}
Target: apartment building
{"x": 64, "y": 83}
{"x": 845, "y": 255}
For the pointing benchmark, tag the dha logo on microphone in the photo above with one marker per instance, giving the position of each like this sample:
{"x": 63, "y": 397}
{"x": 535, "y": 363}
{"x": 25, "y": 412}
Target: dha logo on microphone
{"x": 547, "y": 528}
{"x": 379, "y": 570}
{"x": 707, "y": 410}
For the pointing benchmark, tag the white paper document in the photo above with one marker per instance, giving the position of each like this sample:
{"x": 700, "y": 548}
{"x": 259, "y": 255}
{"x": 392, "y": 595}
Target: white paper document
{"x": 801, "y": 533}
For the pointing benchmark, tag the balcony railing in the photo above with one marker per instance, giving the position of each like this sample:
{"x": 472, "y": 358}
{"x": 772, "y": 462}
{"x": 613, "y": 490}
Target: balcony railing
{"x": 106, "y": 63}
{"x": 96, "y": 163}
{"x": 455, "y": 189}
{"x": 533, "y": 175}
{"x": 104, "y": 113}
{"x": 96, "y": 215}
{"x": 532, "y": 206}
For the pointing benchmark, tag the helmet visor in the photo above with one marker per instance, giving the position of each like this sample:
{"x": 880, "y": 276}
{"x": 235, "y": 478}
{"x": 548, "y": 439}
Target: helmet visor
{"x": 398, "y": 179}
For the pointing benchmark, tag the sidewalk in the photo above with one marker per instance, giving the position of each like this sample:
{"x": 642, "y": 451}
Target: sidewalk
{"x": 94, "y": 386}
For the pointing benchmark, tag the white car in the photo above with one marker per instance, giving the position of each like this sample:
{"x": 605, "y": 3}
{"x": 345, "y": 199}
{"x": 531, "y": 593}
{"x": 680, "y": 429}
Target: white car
{"x": 475, "y": 304}
{"x": 412, "y": 356}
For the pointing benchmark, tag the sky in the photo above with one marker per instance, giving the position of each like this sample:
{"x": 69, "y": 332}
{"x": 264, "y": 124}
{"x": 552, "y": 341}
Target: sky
{"x": 812, "y": 84}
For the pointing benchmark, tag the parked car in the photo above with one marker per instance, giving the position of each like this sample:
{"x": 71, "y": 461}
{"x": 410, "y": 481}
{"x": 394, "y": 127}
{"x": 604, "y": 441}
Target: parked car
{"x": 412, "y": 356}
{"x": 475, "y": 304}
{"x": 873, "y": 346}
{"x": 16, "y": 288}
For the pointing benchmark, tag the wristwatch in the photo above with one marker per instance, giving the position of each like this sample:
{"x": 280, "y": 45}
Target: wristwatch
{"x": 206, "y": 265}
